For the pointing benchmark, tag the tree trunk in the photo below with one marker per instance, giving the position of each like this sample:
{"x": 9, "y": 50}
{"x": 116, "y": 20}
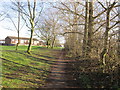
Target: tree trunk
{"x": 85, "y": 31}
{"x": 30, "y": 41}
{"x": 90, "y": 29}
{"x": 18, "y": 41}
{"x": 47, "y": 43}
{"x": 53, "y": 42}
{"x": 103, "y": 53}
{"x": 18, "y": 31}
{"x": 75, "y": 35}
{"x": 32, "y": 23}
{"x": 119, "y": 33}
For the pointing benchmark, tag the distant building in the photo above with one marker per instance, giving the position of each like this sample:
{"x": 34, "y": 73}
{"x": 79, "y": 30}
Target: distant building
{"x": 2, "y": 41}
{"x": 23, "y": 41}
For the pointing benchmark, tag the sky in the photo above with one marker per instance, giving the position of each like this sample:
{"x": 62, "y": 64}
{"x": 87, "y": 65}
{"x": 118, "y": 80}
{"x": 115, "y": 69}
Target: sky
{"x": 6, "y": 24}
{"x": 4, "y": 30}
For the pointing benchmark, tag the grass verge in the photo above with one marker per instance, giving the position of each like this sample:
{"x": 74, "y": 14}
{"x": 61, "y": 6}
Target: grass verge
{"x": 21, "y": 70}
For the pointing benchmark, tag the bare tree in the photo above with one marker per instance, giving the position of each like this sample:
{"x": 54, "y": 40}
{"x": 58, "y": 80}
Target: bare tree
{"x": 119, "y": 32}
{"x": 32, "y": 22}
{"x": 90, "y": 28}
{"x": 31, "y": 16}
{"x": 18, "y": 27}
{"x": 44, "y": 33}
{"x": 103, "y": 53}
{"x": 2, "y": 16}
{"x": 72, "y": 25}
{"x": 85, "y": 31}
{"x": 48, "y": 29}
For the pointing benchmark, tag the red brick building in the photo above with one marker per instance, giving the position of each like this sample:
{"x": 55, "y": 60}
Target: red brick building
{"x": 23, "y": 41}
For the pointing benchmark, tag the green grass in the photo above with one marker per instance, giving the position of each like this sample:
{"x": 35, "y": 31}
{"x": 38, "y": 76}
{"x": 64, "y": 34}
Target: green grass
{"x": 21, "y": 70}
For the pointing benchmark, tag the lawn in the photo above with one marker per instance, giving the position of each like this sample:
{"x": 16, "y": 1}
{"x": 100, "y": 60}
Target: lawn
{"x": 21, "y": 70}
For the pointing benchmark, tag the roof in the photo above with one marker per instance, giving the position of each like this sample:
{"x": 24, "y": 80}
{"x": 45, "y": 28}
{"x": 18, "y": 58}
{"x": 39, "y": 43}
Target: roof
{"x": 24, "y": 38}
{"x": 2, "y": 40}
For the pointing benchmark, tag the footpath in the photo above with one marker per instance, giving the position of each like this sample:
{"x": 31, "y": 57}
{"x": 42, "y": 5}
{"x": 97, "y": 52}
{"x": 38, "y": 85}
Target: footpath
{"x": 61, "y": 75}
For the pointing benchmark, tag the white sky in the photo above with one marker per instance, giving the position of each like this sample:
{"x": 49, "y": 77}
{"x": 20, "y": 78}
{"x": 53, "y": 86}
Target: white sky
{"x": 4, "y": 32}
{"x": 6, "y": 24}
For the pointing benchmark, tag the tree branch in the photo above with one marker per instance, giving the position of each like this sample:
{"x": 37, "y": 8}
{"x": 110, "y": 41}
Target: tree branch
{"x": 28, "y": 1}
{"x": 114, "y": 25}
{"x": 99, "y": 14}
{"x": 72, "y": 32}
{"x": 69, "y": 10}
{"x": 34, "y": 9}
{"x": 104, "y": 23}
{"x": 102, "y": 5}
{"x": 109, "y": 8}
{"x": 12, "y": 22}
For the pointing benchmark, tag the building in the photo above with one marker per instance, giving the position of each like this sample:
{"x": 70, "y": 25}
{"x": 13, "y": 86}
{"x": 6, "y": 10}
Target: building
{"x": 23, "y": 40}
{"x": 2, "y": 41}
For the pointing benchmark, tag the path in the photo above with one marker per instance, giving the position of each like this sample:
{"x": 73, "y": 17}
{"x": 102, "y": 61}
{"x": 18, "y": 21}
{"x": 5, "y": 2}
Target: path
{"x": 61, "y": 74}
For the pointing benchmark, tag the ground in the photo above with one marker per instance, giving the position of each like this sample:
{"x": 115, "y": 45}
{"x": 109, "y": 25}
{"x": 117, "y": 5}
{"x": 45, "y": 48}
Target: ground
{"x": 51, "y": 68}
{"x": 61, "y": 75}
{"x": 21, "y": 70}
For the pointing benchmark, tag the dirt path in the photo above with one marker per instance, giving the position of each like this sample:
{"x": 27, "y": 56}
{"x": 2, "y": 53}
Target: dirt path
{"x": 61, "y": 74}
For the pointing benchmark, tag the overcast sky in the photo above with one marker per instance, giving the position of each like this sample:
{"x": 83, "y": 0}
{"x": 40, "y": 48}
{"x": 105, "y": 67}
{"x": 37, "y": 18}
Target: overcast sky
{"x": 6, "y": 23}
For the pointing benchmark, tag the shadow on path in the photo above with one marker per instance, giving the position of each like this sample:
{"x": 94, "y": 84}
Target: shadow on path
{"x": 62, "y": 74}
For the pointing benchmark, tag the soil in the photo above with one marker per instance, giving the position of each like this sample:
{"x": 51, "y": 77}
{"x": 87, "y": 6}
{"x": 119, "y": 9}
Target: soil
{"x": 61, "y": 75}
{"x": 83, "y": 73}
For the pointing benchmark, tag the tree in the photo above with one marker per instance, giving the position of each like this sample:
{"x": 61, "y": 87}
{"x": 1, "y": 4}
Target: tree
{"x": 11, "y": 17}
{"x": 31, "y": 16}
{"x": 119, "y": 32}
{"x": 18, "y": 29}
{"x": 32, "y": 22}
{"x": 48, "y": 29}
{"x": 85, "y": 31}
{"x": 72, "y": 18}
{"x": 44, "y": 33}
{"x": 2, "y": 16}
{"x": 103, "y": 53}
{"x": 90, "y": 29}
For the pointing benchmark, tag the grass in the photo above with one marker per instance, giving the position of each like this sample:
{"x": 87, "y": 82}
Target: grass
{"x": 21, "y": 70}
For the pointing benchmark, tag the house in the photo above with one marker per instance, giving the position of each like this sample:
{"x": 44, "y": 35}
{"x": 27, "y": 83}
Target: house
{"x": 2, "y": 41}
{"x": 23, "y": 40}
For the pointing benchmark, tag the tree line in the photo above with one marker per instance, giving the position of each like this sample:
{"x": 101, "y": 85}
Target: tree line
{"x": 90, "y": 29}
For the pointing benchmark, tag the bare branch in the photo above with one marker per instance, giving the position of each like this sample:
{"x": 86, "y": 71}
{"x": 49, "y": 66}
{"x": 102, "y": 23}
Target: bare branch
{"x": 114, "y": 25}
{"x": 29, "y": 9}
{"x": 102, "y": 5}
{"x": 109, "y": 8}
{"x": 99, "y": 14}
{"x": 34, "y": 9}
{"x": 69, "y": 10}
{"x": 104, "y": 23}
{"x": 72, "y": 32}
{"x": 80, "y": 4}
{"x": 25, "y": 21}
{"x": 12, "y": 22}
